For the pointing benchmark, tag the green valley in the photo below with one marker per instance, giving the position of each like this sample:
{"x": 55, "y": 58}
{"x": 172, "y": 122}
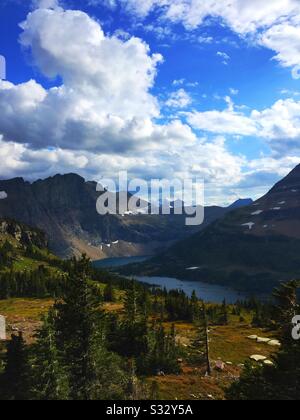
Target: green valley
{"x": 151, "y": 337}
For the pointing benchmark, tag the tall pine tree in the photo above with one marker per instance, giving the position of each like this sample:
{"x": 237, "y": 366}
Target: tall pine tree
{"x": 14, "y": 380}
{"x": 93, "y": 372}
{"x": 49, "y": 376}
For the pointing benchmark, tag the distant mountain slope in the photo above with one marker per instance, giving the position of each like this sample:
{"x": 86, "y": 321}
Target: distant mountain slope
{"x": 22, "y": 248}
{"x": 251, "y": 248}
{"x": 241, "y": 203}
{"x": 64, "y": 206}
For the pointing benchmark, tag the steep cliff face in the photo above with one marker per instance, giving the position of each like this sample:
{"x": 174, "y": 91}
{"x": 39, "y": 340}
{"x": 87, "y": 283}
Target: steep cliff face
{"x": 25, "y": 235}
{"x": 64, "y": 206}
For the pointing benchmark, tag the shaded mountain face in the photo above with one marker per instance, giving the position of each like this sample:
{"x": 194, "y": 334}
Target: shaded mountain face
{"x": 24, "y": 235}
{"x": 241, "y": 203}
{"x": 275, "y": 214}
{"x": 252, "y": 248}
{"x": 64, "y": 206}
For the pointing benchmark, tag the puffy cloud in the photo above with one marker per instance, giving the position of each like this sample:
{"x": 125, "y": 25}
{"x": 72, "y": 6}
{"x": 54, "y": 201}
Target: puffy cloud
{"x": 179, "y": 82}
{"x": 208, "y": 160}
{"x": 262, "y": 173}
{"x": 20, "y": 160}
{"x": 242, "y": 16}
{"x": 205, "y": 39}
{"x": 279, "y": 124}
{"x": 63, "y": 118}
{"x": 223, "y": 122}
{"x": 284, "y": 38}
{"x": 273, "y": 24}
{"x": 104, "y": 101}
{"x": 224, "y": 56}
{"x": 101, "y": 119}
{"x": 281, "y": 166}
{"x": 112, "y": 72}
{"x": 179, "y": 99}
{"x": 103, "y": 112}
{"x": 258, "y": 176}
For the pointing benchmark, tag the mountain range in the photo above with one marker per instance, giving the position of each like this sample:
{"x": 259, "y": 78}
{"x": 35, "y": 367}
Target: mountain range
{"x": 250, "y": 248}
{"x": 248, "y": 245}
{"x": 64, "y": 207}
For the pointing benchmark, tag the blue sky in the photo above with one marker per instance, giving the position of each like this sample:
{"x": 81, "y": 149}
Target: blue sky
{"x": 157, "y": 87}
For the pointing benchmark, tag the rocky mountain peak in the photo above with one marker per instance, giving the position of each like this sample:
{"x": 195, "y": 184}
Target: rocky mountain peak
{"x": 242, "y": 202}
{"x": 64, "y": 206}
{"x": 291, "y": 181}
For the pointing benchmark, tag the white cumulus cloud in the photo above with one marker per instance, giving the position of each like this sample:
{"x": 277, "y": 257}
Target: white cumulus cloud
{"x": 223, "y": 122}
{"x": 273, "y": 24}
{"x": 179, "y": 99}
{"x": 279, "y": 125}
{"x": 241, "y": 15}
{"x": 102, "y": 118}
{"x": 105, "y": 97}
{"x": 284, "y": 39}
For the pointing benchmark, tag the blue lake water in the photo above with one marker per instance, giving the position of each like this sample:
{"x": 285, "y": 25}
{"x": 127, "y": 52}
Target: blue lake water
{"x": 205, "y": 291}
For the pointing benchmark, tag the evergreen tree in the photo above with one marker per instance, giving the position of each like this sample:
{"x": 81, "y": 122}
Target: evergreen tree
{"x": 162, "y": 354}
{"x": 201, "y": 344}
{"x": 76, "y": 317}
{"x": 133, "y": 329}
{"x": 224, "y": 313}
{"x": 144, "y": 302}
{"x": 257, "y": 320}
{"x": 49, "y": 376}
{"x": 194, "y": 305}
{"x": 131, "y": 303}
{"x": 14, "y": 380}
{"x": 81, "y": 339}
{"x": 286, "y": 309}
{"x": 109, "y": 293}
